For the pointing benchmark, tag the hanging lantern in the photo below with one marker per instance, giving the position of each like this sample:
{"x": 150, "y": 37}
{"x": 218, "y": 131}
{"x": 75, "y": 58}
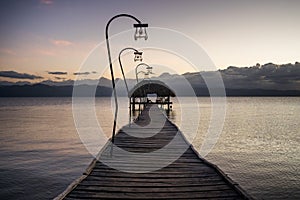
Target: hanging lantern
{"x": 149, "y": 69}
{"x": 140, "y": 31}
{"x": 138, "y": 56}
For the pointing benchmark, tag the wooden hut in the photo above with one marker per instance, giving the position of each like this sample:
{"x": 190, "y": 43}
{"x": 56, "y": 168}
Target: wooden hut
{"x": 140, "y": 93}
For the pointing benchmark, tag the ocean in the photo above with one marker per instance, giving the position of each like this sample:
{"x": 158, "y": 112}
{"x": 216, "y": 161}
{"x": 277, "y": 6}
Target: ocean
{"x": 259, "y": 146}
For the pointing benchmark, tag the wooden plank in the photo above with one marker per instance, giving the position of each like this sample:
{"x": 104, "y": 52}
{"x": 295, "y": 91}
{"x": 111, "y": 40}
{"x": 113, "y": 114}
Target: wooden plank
{"x": 151, "y": 195}
{"x": 177, "y": 168}
{"x": 184, "y": 198}
{"x": 136, "y": 175}
{"x": 152, "y": 183}
{"x": 140, "y": 180}
{"x": 139, "y": 189}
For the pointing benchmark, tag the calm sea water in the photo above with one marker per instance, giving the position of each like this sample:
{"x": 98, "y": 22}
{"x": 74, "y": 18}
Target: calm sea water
{"x": 41, "y": 152}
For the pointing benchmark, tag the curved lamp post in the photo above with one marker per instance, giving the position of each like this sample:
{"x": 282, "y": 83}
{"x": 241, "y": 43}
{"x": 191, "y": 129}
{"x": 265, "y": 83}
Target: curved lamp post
{"x": 139, "y": 33}
{"x": 139, "y": 73}
{"x": 149, "y": 71}
{"x": 145, "y": 73}
{"x": 137, "y": 57}
{"x": 149, "y": 68}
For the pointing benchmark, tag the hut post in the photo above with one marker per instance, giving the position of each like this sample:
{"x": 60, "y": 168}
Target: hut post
{"x": 168, "y": 101}
{"x": 129, "y": 111}
{"x": 140, "y": 104}
{"x": 130, "y": 105}
{"x": 133, "y": 104}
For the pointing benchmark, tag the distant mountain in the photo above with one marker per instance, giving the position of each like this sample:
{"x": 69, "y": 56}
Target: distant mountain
{"x": 7, "y": 83}
{"x": 259, "y": 80}
{"x": 250, "y": 92}
{"x": 101, "y": 82}
{"x": 42, "y": 90}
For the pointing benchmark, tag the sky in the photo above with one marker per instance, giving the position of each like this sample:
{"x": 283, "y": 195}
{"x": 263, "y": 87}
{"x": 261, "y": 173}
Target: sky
{"x": 49, "y": 39}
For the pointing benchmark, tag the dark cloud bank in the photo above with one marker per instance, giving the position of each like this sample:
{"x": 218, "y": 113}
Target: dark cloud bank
{"x": 268, "y": 76}
{"x": 84, "y": 73}
{"x": 17, "y": 75}
{"x": 58, "y": 73}
{"x": 260, "y": 80}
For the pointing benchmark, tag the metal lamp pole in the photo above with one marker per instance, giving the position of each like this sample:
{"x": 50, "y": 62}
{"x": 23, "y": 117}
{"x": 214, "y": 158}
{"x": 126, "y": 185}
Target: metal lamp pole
{"x": 149, "y": 68}
{"x": 136, "y": 68}
{"x": 140, "y": 33}
{"x": 139, "y": 73}
{"x": 138, "y": 57}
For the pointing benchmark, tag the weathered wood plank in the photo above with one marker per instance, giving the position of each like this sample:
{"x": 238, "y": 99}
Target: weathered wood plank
{"x": 154, "y": 189}
{"x": 152, "y": 183}
{"x": 151, "y": 195}
{"x": 140, "y": 180}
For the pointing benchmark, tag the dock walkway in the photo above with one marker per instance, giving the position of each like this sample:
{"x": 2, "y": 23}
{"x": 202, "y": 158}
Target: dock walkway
{"x": 138, "y": 174}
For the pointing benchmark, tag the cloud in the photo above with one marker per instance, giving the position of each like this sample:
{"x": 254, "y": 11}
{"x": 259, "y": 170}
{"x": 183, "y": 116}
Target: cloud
{"x": 8, "y": 51}
{"x": 267, "y": 76}
{"x": 17, "y": 75}
{"x": 81, "y": 73}
{"x": 47, "y": 52}
{"x": 46, "y": 2}
{"x": 58, "y": 73}
{"x": 61, "y": 43}
{"x": 60, "y": 78}
{"x": 84, "y": 73}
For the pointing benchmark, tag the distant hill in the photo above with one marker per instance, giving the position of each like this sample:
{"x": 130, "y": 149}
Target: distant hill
{"x": 259, "y": 80}
{"x": 41, "y": 90}
{"x": 250, "y": 92}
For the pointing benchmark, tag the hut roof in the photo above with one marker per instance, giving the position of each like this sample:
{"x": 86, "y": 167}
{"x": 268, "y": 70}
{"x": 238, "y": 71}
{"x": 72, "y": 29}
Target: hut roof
{"x": 145, "y": 87}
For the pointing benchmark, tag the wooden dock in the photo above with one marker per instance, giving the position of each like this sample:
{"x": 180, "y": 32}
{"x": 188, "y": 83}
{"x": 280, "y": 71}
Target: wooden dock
{"x": 117, "y": 174}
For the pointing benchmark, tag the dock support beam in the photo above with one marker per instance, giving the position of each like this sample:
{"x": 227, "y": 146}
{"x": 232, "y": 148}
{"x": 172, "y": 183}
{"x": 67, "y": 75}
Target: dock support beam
{"x": 168, "y": 99}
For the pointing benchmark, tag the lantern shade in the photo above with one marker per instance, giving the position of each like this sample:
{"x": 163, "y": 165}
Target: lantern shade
{"x": 140, "y": 31}
{"x": 140, "y": 25}
{"x": 149, "y": 68}
{"x": 138, "y": 56}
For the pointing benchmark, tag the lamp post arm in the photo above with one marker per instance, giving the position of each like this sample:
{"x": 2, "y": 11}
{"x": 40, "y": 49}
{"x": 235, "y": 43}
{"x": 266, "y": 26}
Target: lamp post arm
{"x": 136, "y": 68}
{"x": 137, "y": 77}
{"x": 120, "y": 62}
{"x": 111, "y": 67}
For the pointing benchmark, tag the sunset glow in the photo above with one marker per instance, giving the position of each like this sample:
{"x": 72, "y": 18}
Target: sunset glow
{"x": 47, "y": 35}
